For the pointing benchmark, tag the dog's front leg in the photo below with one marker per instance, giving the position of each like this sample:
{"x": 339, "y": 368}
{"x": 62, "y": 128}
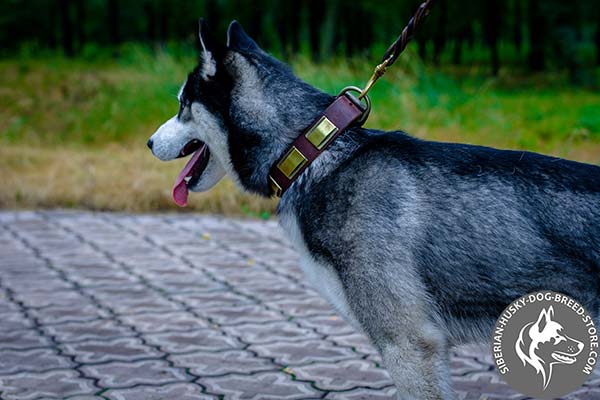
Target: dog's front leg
{"x": 394, "y": 314}
{"x": 419, "y": 369}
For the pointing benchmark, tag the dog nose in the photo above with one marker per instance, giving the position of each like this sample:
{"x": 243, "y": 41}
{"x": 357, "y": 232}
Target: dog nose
{"x": 149, "y": 144}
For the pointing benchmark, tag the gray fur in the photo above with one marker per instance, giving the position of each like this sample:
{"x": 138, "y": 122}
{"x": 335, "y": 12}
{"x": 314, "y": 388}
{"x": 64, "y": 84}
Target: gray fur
{"x": 419, "y": 244}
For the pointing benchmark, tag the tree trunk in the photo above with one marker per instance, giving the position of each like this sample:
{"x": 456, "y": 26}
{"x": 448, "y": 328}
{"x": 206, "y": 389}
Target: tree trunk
{"x": 150, "y": 21}
{"x": 66, "y": 28}
{"x": 421, "y": 47}
{"x": 164, "y": 21}
{"x": 457, "y": 50}
{"x": 597, "y": 41}
{"x": 518, "y": 32}
{"x": 212, "y": 11}
{"x": 315, "y": 20}
{"x": 80, "y": 23}
{"x": 329, "y": 28}
{"x": 113, "y": 22}
{"x": 491, "y": 30}
{"x": 51, "y": 35}
{"x": 439, "y": 37}
{"x": 495, "y": 58}
{"x": 537, "y": 35}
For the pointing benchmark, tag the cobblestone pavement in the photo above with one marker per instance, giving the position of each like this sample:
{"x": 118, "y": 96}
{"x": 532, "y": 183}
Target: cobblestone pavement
{"x": 116, "y": 306}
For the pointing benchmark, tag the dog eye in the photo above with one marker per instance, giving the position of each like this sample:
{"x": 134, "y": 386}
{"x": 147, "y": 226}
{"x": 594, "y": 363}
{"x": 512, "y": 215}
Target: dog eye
{"x": 558, "y": 339}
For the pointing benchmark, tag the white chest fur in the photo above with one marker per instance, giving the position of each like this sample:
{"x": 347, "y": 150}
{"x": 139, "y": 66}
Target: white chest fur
{"x": 321, "y": 276}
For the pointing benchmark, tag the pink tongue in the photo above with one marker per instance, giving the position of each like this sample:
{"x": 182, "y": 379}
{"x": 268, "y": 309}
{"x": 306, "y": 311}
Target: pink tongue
{"x": 180, "y": 189}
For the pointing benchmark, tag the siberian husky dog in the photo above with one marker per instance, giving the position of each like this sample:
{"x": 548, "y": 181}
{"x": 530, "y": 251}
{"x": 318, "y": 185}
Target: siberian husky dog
{"x": 419, "y": 244}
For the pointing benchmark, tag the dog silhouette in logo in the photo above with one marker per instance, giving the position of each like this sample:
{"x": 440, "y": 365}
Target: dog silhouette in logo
{"x": 543, "y": 343}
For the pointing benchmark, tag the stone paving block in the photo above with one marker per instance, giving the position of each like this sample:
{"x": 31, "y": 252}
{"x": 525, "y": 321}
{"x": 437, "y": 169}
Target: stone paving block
{"x": 121, "y": 292}
{"x": 251, "y": 276}
{"x": 344, "y": 375}
{"x": 141, "y": 304}
{"x": 29, "y": 278}
{"x": 484, "y": 388}
{"x": 270, "y": 332}
{"x": 7, "y": 308}
{"x": 22, "y": 340}
{"x": 61, "y": 298}
{"x": 273, "y": 292}
{"x": 124, "y": 349}
{"x": 61, "y": 314}
{"x": 31, "y": 361}
{"x": 388, "y": 393}
{"x": 263, "y": 386}
{"x": 14, "y": 321}
{"x": 163, "y": 322}
{"x": 201, "y": 339}
{"x": 187, "y": 281}
{"x": 204, "y": 363}
{"x": 212, "y": 299}
{"x": 240, "y": 314}
{"x": 54, "y": 384}
{"x": 86, "y": 330}
{"x": 181, "y": 307}
{"x": 302, "y": 308}
{"x": 356, "y": 340}
{"x": 92, "y": 277}
{"x": 177, "y": 391}
{"x": 38, "y": 284}
{"x": 585, "y": 393}
{"x": 302, "y": 352}
{"x": 127, "y": 374}
{"x": 326, "y": 325}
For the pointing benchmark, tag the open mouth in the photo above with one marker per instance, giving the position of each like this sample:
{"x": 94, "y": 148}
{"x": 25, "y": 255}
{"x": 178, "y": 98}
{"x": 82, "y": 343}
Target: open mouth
{"x": 192, "y": 171}
{"x": 563, "y": 358}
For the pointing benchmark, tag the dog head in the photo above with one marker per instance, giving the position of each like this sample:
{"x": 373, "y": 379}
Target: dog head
{"x": 544, "y": 343}
{"x": 238, "y": 111}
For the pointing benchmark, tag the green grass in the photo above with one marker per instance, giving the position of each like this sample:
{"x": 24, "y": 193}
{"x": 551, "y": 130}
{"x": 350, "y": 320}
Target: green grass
{"x": 106, "y": 110}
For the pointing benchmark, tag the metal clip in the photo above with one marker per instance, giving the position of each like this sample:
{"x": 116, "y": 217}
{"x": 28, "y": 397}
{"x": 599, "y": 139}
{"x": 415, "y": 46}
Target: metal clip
{"x": 377, "y": 73}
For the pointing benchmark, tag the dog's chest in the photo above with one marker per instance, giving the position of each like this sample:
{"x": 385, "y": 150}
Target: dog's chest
{"x": 321, "y": 276}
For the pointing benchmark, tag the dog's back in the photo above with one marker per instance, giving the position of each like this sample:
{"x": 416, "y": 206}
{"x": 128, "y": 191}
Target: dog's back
{"x": 479, "y": 227}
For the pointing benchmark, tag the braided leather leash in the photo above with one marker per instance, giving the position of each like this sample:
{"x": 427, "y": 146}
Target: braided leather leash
{"x": 392, "y": 53}
{"x": 347, "y": 110}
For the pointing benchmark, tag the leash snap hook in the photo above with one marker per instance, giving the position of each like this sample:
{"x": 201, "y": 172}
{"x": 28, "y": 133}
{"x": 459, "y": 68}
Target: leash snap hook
{"x": 380, "y": 69}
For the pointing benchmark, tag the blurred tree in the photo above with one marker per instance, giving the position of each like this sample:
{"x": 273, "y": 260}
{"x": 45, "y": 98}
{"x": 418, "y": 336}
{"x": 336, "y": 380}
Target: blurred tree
{"x": 113, "y": 22}
{"x": 518, "y": 25}
{"x": 491, "y": 21}
{"x": 441, "y": 32}
{"x": 555, "y": 34}
{"x": 537, "y": 36}
{"x": 66, "y": 28}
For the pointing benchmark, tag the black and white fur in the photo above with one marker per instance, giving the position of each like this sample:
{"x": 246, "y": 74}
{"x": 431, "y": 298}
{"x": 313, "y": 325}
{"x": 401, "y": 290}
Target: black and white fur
{"x": 419, "y": 244}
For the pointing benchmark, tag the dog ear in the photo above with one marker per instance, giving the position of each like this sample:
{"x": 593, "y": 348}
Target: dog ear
{"x": 238, "y": 39}
{"x": 543, "y": 319}
{"x": 211, "y": 50}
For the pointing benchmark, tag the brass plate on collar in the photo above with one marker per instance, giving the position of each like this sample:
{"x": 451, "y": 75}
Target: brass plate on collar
{"x": 320, "y": 134}
{"x": 275, "y": 187}
{"x": 292, "y": 162}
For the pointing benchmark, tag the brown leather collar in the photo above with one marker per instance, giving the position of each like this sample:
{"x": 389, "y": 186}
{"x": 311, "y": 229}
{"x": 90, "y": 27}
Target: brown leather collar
{"x": 345, "y": 111}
